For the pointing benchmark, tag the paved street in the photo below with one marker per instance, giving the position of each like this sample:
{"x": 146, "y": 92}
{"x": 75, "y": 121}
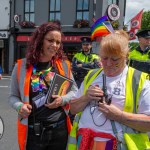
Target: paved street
{"x": 9, "y": 116}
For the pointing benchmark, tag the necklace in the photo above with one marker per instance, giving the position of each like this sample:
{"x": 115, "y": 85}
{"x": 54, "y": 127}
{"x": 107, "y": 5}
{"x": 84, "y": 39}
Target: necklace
{"x": 37, "y": 79}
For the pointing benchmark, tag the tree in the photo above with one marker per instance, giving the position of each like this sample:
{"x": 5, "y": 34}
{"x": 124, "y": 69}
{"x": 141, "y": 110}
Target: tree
{"x": 145, "y": 20}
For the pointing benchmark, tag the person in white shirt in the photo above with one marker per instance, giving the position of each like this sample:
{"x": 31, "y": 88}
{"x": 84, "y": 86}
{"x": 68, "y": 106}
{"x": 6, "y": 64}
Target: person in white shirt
{"x": 102, "y": 113}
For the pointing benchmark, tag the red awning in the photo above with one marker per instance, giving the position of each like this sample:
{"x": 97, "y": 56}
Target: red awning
{"x": 23, "y": 38}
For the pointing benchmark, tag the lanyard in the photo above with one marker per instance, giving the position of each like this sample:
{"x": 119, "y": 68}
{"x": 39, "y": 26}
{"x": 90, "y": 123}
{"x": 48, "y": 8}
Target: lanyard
{"x": 37, "y": 84}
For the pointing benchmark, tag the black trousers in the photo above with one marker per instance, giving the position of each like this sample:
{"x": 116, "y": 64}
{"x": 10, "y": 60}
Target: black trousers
{"x": 51, "y": 139}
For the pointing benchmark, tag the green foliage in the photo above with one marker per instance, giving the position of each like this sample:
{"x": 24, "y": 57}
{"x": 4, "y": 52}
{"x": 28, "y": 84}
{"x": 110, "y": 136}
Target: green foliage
{"x": 133, "y": 45}
{"x": 115, "y": 24}
{"x": 145, "y": 20}
{"x": 81, "y": 24}
{"x": 125, "y": 28}
{"x": 27, "y": 24}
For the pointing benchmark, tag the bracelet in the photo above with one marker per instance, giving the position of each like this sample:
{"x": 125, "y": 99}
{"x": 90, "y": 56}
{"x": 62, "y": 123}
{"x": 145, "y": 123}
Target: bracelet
{"x": 19, "y": 107}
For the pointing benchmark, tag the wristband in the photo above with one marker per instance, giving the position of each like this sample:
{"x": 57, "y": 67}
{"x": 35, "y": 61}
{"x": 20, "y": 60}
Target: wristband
{"x": 19, "y": 107}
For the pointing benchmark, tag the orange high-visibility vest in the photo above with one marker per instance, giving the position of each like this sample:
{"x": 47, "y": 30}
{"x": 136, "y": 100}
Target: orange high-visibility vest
{"x": 64, "y": 68}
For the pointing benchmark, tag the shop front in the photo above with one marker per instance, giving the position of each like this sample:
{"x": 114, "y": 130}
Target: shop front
{"x": 71, "y": 45}
{"x": 4, "y": 51}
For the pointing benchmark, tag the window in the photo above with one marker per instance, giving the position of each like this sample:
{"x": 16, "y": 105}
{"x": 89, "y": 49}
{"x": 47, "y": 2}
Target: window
{"x": 29, "y": 10}
{"x": 82, "y": 10}
{"x": 113, "y": 2}
{"x": 54, "y": 10}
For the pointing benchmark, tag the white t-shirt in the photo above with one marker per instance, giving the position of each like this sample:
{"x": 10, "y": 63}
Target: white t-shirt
{"x": 116, "y": 88}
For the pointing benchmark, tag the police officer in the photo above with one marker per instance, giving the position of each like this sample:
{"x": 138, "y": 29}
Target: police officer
{"x": 85, "y": 60}
{"x": 139, "y": 58}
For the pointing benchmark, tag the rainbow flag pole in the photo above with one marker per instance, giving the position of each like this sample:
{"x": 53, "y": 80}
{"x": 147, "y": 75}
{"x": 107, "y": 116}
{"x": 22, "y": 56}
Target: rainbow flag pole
{"x": 101, "y": 27}
{"x": 109, "y": 27}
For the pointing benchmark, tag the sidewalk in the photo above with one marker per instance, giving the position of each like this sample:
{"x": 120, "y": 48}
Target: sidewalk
{"x": 6, "y": 76}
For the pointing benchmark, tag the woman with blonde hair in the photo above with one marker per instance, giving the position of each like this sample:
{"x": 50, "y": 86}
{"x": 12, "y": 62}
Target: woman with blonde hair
{"x": 111, "y": 101}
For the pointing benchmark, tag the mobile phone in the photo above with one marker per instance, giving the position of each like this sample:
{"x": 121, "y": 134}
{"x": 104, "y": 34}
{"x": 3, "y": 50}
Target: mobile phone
{"x": 37, "y": 129}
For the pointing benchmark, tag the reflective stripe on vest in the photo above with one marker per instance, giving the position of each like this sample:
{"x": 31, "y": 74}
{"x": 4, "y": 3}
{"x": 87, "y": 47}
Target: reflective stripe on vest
{"x": 92, "y": 74}
{"x": 135, "y": 80}
{"x": 64, "y": 67}
{"x": 22, "y": 124}
{"x": 134, "y": 83}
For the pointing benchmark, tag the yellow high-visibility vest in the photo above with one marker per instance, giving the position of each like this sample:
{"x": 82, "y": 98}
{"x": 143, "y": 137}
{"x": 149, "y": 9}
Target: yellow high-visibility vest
{"x": 134, "y": 83}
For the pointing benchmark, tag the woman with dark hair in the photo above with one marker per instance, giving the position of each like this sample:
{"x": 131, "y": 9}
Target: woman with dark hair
{"x": 41, "y": 125}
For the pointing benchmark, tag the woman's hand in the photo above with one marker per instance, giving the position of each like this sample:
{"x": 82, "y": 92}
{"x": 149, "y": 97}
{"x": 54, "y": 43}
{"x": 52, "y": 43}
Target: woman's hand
{"x": 56, "y": 103}
{"x": 93, "y": 93}
{"x": 111, "y": 111}
{"x": 25, "y": 110}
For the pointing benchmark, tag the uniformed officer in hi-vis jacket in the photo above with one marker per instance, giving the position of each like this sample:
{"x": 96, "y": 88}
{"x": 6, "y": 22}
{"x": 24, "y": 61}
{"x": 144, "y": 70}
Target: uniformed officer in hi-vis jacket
{"x": 84, "y": 60}
{"x": 139, "y": 58}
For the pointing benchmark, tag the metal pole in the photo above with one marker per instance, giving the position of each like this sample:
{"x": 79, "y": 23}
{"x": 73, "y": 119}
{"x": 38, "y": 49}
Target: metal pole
{"x": 94, "y": 10}
{"x": 94, "y": 13}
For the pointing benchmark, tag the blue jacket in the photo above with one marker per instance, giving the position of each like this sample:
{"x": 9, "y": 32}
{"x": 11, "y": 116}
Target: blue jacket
{"x": 1, "y": 71}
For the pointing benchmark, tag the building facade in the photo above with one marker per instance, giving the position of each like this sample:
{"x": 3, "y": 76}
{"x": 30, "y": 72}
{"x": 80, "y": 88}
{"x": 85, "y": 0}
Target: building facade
{"x": 4, "y": 33}
{"x": 76, "y": 17}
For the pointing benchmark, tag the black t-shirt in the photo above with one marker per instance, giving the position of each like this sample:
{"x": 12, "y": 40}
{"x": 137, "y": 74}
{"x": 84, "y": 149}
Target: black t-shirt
{"x": 43, "y": 113}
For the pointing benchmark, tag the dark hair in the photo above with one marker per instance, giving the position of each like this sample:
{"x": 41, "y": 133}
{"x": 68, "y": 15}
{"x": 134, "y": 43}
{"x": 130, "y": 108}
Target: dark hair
{"x": 34, "y": 48}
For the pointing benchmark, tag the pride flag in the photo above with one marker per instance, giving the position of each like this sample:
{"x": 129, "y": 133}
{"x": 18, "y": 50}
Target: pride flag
{"x": 101, "y": 27}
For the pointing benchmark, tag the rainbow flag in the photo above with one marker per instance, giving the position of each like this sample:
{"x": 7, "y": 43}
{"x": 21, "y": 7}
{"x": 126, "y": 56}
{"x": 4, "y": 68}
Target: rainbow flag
{"x": 101, "y": 28}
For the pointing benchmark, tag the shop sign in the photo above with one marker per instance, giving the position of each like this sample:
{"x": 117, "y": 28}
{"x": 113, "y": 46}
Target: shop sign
{"x": 113, "y": 12}
{"x": 72, "y": 39}
{"x": 23, "y": 38}
{"x": 65, "y": 39}
{"x": 3, "y": 34}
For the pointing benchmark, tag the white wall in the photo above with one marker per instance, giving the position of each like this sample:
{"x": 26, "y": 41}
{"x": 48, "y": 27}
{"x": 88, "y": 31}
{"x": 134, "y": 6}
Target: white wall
{"x": 4, "y": 14}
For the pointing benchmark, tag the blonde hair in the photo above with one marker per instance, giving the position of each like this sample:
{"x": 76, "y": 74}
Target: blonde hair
{"x": 115, "y": 44}
{"x": 122, "y": 32}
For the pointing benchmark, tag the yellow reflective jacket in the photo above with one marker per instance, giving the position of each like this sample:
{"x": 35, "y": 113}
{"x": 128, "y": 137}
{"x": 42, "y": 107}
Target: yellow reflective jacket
{"x": 134, "y": 83}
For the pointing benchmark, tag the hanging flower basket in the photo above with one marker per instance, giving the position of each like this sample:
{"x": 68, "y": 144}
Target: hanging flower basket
{"x": 81, "y": 24}
{"x": 115, "y": 24}
{"x": 27, "y": 24}
{"x": 125, "y": 28}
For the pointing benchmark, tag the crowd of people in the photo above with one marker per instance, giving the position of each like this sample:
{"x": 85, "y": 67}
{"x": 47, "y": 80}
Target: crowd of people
{"x": 109, "y": 97}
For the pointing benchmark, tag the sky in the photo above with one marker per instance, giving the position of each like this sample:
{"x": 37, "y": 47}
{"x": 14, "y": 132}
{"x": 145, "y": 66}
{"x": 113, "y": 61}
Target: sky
{"x": 132, "y": 9}
{"x": 134, "y": 6}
